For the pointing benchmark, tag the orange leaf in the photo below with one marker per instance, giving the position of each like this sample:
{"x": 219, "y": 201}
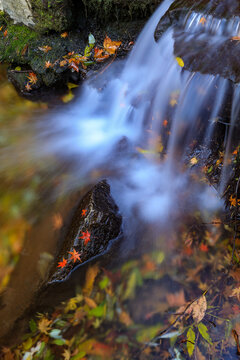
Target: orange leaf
{"x": 202, "y": 20}
{"x": 45, "y": 48}
{"x": 32, "y": 78}
{"x": 62, "y": 263}
{"x": 64, "y": 35}
{"x": 97, "y": 52}
{"x": 73, "y": 66}
{"x": 63, "y": 63}
{"x": 111, "y": 46}
{"x": 90, "y": 302}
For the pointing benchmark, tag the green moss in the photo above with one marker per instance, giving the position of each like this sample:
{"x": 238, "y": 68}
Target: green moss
{"x": 52, "y": 15}
{"x": 12, "y": 45}
{"x": 113, "y": 10}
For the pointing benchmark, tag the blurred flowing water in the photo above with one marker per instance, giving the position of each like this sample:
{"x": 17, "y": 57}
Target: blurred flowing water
{"x": 152, "y": 104}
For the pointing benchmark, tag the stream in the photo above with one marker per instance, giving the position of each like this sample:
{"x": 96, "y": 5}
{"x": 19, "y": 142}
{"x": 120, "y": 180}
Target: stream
{"x": 152, "y": 127}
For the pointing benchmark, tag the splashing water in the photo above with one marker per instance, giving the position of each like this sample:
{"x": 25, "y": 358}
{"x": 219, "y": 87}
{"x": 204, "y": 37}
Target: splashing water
{"x": 141, "y": 124}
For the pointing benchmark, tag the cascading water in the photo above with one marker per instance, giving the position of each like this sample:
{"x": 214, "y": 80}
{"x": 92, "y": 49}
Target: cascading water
{"x": 153, "y": 105}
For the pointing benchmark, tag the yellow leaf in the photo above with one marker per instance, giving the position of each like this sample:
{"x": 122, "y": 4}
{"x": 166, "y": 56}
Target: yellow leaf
{"x": 66, "y": 354}
{"x": 193, "y": 161}
{"x": 27, "y": 344}
{"x": 91, "y": 275}
{"x": 68, "y": 97}
{"x": 180, "y": 61}
{"x": 72, "y": 86}
{"x": 44, "y": 325}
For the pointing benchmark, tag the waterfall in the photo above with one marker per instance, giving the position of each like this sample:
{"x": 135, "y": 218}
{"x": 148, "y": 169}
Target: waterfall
{"x": 140, "y": 124}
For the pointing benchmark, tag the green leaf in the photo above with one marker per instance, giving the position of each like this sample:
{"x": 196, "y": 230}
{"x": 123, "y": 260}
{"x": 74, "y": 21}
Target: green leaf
{"x": 104, "y": 283}
{"x": 91, "y": 39}
{"x": 32, "y": 325}
{"x": 191, "y": 341}
{"x": 79, "y": 356}
{"x": 210, "y": 170}
{"x": 99, "y": 311}
{"x": 87, "y": 51}
{"x": 59, "y": 342}
{"x": 204, "y": 332}
{"x": 147, "y": 333}
{"x": 27, "y": 344}
{"x": 135, "y": 279}
{"x": 55, "y": 334}
{"x": 42, "y": 347}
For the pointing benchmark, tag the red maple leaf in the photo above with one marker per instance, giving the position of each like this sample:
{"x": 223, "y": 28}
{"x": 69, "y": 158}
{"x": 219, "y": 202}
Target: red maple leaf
{"x": 203, "y": 248}
{"x": 75, "y": 256}
{"x": 62, "y": 263}
{"x": 84, "y": 212}
{"x": 86, "y": 237}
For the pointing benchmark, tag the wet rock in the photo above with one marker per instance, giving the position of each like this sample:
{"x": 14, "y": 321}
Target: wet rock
{"x": 96, "y": 225}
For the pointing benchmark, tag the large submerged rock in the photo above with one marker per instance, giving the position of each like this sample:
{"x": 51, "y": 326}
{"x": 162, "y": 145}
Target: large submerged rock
{"x": 96, "y": 225}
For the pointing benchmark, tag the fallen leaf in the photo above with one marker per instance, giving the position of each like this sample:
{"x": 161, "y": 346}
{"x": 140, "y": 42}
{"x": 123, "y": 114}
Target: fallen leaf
{"x": 90, "y": 302}
{"x": 28, "y": 87}
{"x": 75, "y": 256}
{"x": 48, "y": 64}
{"x": 180, "y": 61}
{"x": 111, "y": 46}
{"x": 236, "y": 292}
{"x": 202, "y": 20}
{"x": 32, "y": 78}
{"x": 57, "y": 221}
{"x": 45, "y": 48}
{"x": 62, "y": 263}
{"x": 44, "y": 325}
{"x": 63, "y": 63}
{"x": 199, "y": 308}
{"x": 176, "y": 299}
{"x": 91, "y": 275}
{"x": 204, "y": 248}
{"x": 64, "y": 35}
{"x": 193, "y": 161}
{"x": 125, "y": 318}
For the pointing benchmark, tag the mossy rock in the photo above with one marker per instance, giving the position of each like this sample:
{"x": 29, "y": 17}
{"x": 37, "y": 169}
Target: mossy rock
{"x": 104, "y": 11}
{"x": 56, "y": 15}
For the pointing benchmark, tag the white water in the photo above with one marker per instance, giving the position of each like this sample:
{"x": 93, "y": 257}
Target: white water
{"x": 132, "y": 108}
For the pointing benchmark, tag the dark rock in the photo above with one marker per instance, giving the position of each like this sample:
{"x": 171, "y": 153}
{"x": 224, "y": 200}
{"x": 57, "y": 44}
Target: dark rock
{"x": 101, "y": 224}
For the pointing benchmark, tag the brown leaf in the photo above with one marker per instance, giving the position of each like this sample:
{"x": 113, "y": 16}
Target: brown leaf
{"x": 91, "y": 275}
{"x": 57, "y": 221}
{"x": 90, "y": 302}
{"x": 199, "y": 308}
{"x": 176, "y": 299}
{"x": 125, "y": 318}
